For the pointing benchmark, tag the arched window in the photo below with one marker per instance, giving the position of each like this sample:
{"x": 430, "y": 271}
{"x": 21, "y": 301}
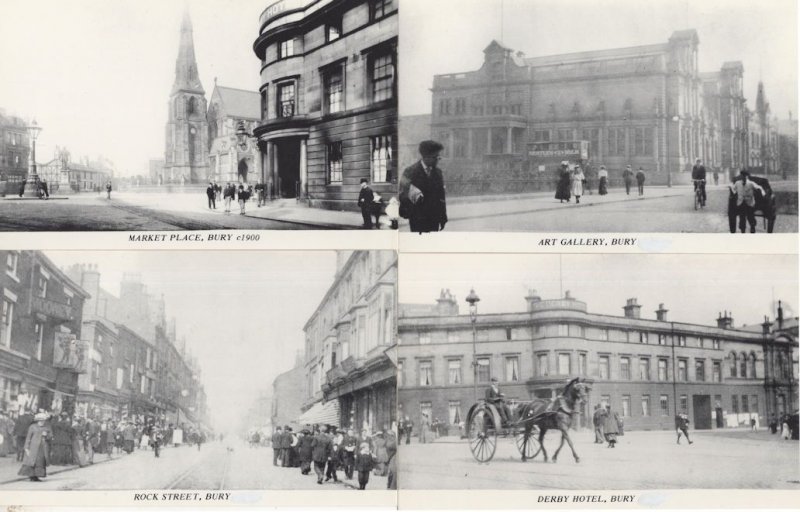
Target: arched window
{"x": 190, "y": 106}
{"x": 733, "y": 364}
{"x": 779, "y": 366}
{"x": 743, "y": 366}
{"x": 752, "y": 366}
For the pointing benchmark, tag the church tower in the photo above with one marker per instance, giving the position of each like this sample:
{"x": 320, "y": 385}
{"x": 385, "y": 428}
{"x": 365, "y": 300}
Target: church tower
{"x": 186, "y": 152}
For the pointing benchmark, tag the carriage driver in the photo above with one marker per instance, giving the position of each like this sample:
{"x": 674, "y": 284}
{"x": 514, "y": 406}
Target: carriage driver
{"x": 496, "y": 398}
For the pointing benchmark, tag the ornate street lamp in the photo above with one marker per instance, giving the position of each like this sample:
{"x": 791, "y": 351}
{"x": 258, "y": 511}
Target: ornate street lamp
{"x": 242, "y": 135}
{"x": 473, "y": 300}
{"x": 32, "y": 179}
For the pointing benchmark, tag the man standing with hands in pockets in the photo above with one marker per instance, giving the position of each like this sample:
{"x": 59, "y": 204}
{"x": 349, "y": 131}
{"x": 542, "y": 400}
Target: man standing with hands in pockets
{"x": 422, "y": 197}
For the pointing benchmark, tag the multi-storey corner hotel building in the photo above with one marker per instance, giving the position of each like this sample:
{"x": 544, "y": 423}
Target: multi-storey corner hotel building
{"x": 647, "y": 369}
{"x": 328, "y": 99}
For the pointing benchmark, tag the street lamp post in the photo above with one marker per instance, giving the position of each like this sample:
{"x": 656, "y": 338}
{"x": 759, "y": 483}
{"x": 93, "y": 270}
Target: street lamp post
{"x": 32, "y": 179}
{"x": 666, "y": 139}
{"x": 473, "y": 300}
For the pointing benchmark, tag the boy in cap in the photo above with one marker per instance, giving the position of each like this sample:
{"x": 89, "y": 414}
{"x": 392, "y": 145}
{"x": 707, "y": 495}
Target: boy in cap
{"x": 364, "y": 465}
{"x": 365, "y": 201}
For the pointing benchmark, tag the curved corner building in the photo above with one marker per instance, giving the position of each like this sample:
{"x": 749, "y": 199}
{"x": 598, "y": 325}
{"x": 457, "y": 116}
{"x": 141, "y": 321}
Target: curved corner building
{"x": 328, "y": 99}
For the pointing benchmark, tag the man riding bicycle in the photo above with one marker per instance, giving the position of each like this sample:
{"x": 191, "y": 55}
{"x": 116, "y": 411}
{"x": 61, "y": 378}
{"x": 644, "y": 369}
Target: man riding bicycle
{"x": 699, "y": 179}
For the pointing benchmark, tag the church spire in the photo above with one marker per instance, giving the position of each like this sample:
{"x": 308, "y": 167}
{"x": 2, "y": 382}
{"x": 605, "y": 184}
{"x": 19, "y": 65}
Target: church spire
{"x": 186, "y": 76}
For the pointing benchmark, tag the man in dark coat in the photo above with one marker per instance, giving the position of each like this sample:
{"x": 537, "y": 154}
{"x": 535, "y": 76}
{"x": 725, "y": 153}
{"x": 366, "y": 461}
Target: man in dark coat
{"x": 682, "y": 426}
{"x": 349, "y": 448}
{"x": 408, "y": 427}
{"x": 391, "y": 464}
{"x": 699, "y": 178}
{"x": 422, "y": 196}
{"x": 62, "y": 441}
{"x": 276, "y": 445}
{"x": 212, "y": 196}
{"x": 286, "y": 446}
{"x": 640, "y": 177}
{"x": 305, "y": 451}
{"x": 320, "y": 453}
{"x": 495, "y": 397}
{"x": 366, "y": 199}
{"x": 598, "y": 419}
{"x": 627, "y": 177}
{"x": 24, "y": 421}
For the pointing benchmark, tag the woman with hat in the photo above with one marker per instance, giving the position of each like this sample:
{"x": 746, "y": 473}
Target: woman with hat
{"x": 37, "y": 449}
{"x": 563, "y": 187}
{"x": 602, "y": 176}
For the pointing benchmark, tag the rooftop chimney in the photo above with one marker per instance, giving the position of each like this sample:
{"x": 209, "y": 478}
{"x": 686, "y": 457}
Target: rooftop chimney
{"x": 632, "y": 308}
{"x": 725, "y": 320}
{"x": 446, "y": 304}
{"x": 780, "y": 316}
{"x": 661, "y": 313}
{"x": 532, "y": 298}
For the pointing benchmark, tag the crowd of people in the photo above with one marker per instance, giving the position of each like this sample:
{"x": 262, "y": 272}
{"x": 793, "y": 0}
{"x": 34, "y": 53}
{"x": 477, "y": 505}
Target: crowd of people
{"x": 327, "y": 450}
{"x": 232, "y": 192}
{"x": 786, "y": 424}
{"x": 45, "y": 439}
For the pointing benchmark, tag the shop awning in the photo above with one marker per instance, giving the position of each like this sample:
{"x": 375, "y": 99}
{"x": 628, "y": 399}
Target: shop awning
{"x": 325, "y": 413}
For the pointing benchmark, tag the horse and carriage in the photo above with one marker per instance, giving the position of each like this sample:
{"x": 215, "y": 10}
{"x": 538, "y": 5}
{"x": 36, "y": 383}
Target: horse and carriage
{"x": 528, "y": 423}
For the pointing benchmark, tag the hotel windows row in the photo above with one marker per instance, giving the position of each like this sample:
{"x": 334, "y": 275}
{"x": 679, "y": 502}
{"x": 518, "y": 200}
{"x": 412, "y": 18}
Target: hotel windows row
{"x": 625, "y": 406}
{"x": 380, "y": 160}
{"x": 643, "y": 372}
{"x": 426, "y": 374}
{"x": 625, "y": 336}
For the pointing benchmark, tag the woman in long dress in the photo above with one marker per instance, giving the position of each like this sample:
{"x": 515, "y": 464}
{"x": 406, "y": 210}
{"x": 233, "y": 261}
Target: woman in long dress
{"x": 37, "y": 449}
{"x": 563, "y": 187}
{"x": 611, "y": 427}
{"x": 602, "y": 176}
{"x": 577, "y": 183}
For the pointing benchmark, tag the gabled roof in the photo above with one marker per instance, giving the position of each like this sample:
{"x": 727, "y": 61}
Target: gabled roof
{"x": 238, "y": 103}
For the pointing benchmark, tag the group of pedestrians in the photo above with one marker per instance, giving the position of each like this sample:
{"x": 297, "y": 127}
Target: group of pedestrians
{"x": 607, "y": 425}
{"x": 786, "y": 424}
{"x": 327, "y": 450}
{"x": 231, "y": 192}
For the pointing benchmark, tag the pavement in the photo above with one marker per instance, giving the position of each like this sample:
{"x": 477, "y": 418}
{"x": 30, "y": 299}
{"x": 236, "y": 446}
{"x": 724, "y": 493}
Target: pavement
{"x": 722, "y": 459}
{"x": 223, "y": 466}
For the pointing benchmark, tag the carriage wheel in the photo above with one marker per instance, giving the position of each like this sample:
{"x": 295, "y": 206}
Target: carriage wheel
{"x": 482, "y": 435}
{"x": 528, "y": 444}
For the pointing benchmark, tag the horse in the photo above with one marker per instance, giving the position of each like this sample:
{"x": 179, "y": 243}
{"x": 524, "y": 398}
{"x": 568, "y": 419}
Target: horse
{"x": 555, "y": 414}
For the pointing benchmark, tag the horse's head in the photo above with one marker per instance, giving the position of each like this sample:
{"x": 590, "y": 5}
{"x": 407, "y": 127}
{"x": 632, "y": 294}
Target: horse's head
{"x": 577, "y": 390}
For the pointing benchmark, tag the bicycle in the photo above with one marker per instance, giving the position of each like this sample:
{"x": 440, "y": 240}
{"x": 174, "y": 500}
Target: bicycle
{"x": 698, "y": 194}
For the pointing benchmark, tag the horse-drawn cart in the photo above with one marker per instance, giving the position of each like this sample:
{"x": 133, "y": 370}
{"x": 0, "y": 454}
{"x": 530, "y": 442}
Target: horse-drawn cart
{"x": 529, "y": 422}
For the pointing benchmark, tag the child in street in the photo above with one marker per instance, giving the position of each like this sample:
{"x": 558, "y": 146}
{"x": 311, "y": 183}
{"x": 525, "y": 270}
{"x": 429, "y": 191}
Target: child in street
{"x": 364, "y": 465}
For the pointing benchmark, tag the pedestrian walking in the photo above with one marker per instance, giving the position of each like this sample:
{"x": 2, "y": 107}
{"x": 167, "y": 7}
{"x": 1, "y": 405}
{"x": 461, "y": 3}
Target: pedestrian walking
{"x": 128, "y": 437}
{"x": 365, "y": 462}
{"x": 640, "y": 177}
{"x": 6, "y": 434}
{"x": 335, "y": 457}
{"x": 753, "y": 423}
{"x": 422, "y": 193}
{"x": 156, "y": 439}
{"x": 745, "y": 190}
{"x": 286, "y": 446}
{"x": 563, "y": 186}
{"x": 211, "y": 194}
{"x": 305, "y": 451}
{"x": 611, "y": 427}
{"x": 349, "y": 454}
{"x": 227, "y": 196}
{"x": 20, "y": 432}
{"x": 682, "y": 426}
{"x": 108, "y": 190}
{"x": 627, "y": 177}
{"x": 716, "y": 177}
{"x": 577, "y": 183}
{"x": 381, "y": 457}
{"x": 243, "y": 195}
{"x": 62, "y": 441}
{"x": 785, "y": 431}
{"x": 36, "y": 449}
{"x": 602, "y": 176}
{"x": 424, "y": 428}
{"x": 365, "y": 202}
{"x": 391, "y": 464}
{"x": 276, "y": 446}
{"x": 598, "y": 420}
{"x": 408, "y": 427}
{"x": 320, "y": 452}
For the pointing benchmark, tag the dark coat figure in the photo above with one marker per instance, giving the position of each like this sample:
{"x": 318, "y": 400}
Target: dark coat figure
{"x": 496, "y": 398}
{"x": 391, "y": 452}
{"x": 422, "y": 194}
{"x": 21, "y": 432}
{"x": 349, "y": 448}
{"x": 334, "y": 461}
{"x": 563, "y": 188}
{"x": 598, "y": 420}
{"x": 304, "y": 452}
{"x": 321, "y": 447}
{"x": 62, "y": 442}
{"x": 640, "y": 177}
{"x": 366, "y": 200}
{"x": 682, "y": 426}
{"x": 211, "y": 193}
{"x": 408, "y": 428}
{"x": 364, "y": 464}
{"x": 276, "y": 438}
{"x": 37, "y": 452}
{"x": 286, "y": 448}
{"x": 627, "y": 177}
{"x": 611, "y": 427}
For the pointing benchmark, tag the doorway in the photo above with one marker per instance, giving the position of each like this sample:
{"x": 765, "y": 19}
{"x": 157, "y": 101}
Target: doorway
{"x": 288, "y": 167}
{"x": 701, "y": 405}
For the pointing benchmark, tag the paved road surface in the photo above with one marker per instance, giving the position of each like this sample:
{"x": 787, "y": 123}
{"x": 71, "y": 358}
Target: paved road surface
{"x": 214, "y": 467}
{"x": 641, "y": 460}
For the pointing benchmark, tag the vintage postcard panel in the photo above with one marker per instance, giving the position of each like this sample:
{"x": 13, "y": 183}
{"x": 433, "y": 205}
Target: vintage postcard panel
{"x": 620, "y": 116}
{"x": 199, "y": 114}
{"x": 607, "y": 377}
{"x": 193, "y": 378}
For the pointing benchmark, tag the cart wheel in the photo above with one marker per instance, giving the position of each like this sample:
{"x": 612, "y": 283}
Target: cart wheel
{"x": 482, "y": 435}
{"x": 528, "y": 445}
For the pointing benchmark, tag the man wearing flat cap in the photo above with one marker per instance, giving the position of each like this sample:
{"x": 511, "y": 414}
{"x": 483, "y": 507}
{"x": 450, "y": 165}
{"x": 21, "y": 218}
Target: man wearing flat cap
{"x": 422, "y": 198}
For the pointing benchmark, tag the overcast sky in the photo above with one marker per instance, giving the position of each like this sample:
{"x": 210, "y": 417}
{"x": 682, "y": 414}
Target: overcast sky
{"x": 242, "y": 312}
{"x": 448, "y": 36}
{"x": 96, "y": 74}
{"x": 693, "y": 288}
